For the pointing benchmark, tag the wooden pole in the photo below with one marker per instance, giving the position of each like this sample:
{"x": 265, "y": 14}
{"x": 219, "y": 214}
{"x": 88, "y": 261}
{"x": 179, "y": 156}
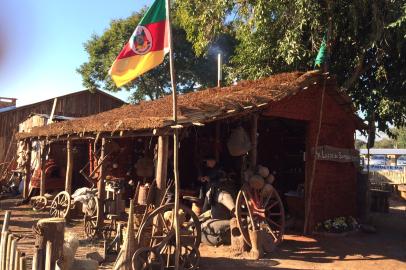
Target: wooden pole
{"x": 219, "y": 71}
{"x": 27, "y": 170}
{"x": 254, "y": 141}
{"x": 123, "y": 261}
{"x": 48, "y": 256}
{"x": 42, "y": 180}
{"x": 17, "y": 259}
{"x": 175, "y": 138}
{"x": 4, "y": 237}
{"x": 23, "y": 262}
{"x": 308, "y": 196}
{"x": 3, "y": 250}
{"x": 69, "y": 167}
{"x": 161, "y": 168}
{"x": 49, "y": 230}
{"x": 6, "y": 221}
{"x": 13, "y": 251}
{"x": 100, "y": 184}
{"x": 36, "y": 259}
{"x": 51, "y": 117}
{"x": 8, "y": 251}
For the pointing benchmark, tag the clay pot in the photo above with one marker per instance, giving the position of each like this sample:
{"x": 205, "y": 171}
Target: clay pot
{"x": 256, "y": 182}
{"x": 263, "y": 171}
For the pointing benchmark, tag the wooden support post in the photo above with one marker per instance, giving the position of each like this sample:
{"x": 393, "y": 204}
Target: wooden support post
{"x": 69, "y": 167}
{"x": 3, "y": 250}
{"x": 17, "y": 259}
{"x": 27, "y": 170}
{"x": 13, "y": 251}
{"x": 52, "y": 230}
{"x": 10, "y": 239}
{"x": 6, "y": 221}
{"x": 123, "y": 261}
{"x": 161, "y": 168}
{"x": 23, "y": 262}
{"x": 48, "y": 256}
{"x": 42, "y": 180}
{"x": 254, "y": 141}
{"x": 36, "y": 259}
{"x": 100, "y": 184}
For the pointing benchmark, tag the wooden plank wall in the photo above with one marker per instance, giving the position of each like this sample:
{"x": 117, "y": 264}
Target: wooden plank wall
{"x": 78, "y": 104}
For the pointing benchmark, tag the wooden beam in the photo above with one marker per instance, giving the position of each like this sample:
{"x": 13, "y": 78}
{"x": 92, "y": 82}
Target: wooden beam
{"x": 100, "y": 184}
{"x": 69, "y": 167}
{"x": 161, "y": 168}
{"x": 6, "y": 221}
{"x": 254, "y": 141}
{"x": 27, "y": 169}
{"x": 42, "y": 180}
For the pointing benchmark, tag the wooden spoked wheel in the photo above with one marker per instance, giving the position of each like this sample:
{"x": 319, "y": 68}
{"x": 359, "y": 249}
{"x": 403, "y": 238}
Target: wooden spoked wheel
{"x": 157, "y": 231}
{"x": 147, "y": 259}
{"x": 60, "y": 206}
{"x": 189, "y": 258}
{"x": 91, "y": 218}
{"x": 266, "y": 214}
{"x": 39, "y": 203}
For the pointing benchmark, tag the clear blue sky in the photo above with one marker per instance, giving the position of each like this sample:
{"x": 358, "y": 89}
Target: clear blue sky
{"x": 41, "y": 43}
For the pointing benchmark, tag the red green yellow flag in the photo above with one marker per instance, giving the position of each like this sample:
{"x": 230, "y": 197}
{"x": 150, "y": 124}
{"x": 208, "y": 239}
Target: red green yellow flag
{"x": 146, "y": 48}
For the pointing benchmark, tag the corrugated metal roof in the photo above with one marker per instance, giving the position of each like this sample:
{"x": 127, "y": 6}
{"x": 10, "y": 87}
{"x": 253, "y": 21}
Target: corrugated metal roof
{"x": 6, "y": 109}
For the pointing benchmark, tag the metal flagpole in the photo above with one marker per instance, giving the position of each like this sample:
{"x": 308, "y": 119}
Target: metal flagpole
{"x": 175, "y": 139}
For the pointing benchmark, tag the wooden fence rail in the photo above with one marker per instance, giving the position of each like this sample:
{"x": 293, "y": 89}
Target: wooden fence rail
{"x": 11, "y": 258}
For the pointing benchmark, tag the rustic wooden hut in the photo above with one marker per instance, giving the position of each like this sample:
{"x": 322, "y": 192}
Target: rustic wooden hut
{"x": 77, "y": 104}
{"x": 291, "y": 128}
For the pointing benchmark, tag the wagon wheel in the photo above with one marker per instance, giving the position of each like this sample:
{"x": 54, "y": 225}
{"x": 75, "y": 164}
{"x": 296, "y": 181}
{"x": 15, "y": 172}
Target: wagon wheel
{"x": 39, "y": 203}
{"x": 60, "y": 206}
{"x": 147, "y": 259}
{"x": 91, "y": 219}
{"x": 267, "y": 214}
{"x": 158, "y": 232}
{"x": 189, "y": 258}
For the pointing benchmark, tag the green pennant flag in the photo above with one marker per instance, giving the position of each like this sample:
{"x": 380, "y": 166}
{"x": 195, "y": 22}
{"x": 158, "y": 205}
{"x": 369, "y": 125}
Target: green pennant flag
{"x": 322, "y": 54}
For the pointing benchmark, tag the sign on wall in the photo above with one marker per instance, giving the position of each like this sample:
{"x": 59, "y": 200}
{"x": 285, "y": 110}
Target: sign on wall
{"x": 331, "y": 153}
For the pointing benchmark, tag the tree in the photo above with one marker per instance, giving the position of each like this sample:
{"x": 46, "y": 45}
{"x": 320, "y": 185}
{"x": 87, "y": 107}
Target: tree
{"x": 360, "y": 144}
{"x": 367, "y": 44}
{"x": 399, "y": 136}
{"x": 385, "y": 143}
{"x": 191, "y": 71}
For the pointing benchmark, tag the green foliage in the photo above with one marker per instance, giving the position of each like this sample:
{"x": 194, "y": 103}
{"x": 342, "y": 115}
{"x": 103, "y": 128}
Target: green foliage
{"x": 191, "y": 71}
{"x": 359, "y": 144}
{"x": 385, "y": 143}
{"x": 399, "y": 137}
{"x": 367, "y": 43}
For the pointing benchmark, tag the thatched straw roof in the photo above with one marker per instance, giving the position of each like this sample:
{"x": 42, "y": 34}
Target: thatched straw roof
{"x": 201, "y": 106}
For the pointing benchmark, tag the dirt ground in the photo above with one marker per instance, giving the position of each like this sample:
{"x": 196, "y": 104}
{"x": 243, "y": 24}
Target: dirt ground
{"x": 385, "y": 249}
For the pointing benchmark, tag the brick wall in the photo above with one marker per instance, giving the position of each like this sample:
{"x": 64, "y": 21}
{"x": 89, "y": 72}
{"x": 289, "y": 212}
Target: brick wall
{"x": 334, "y": 186}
